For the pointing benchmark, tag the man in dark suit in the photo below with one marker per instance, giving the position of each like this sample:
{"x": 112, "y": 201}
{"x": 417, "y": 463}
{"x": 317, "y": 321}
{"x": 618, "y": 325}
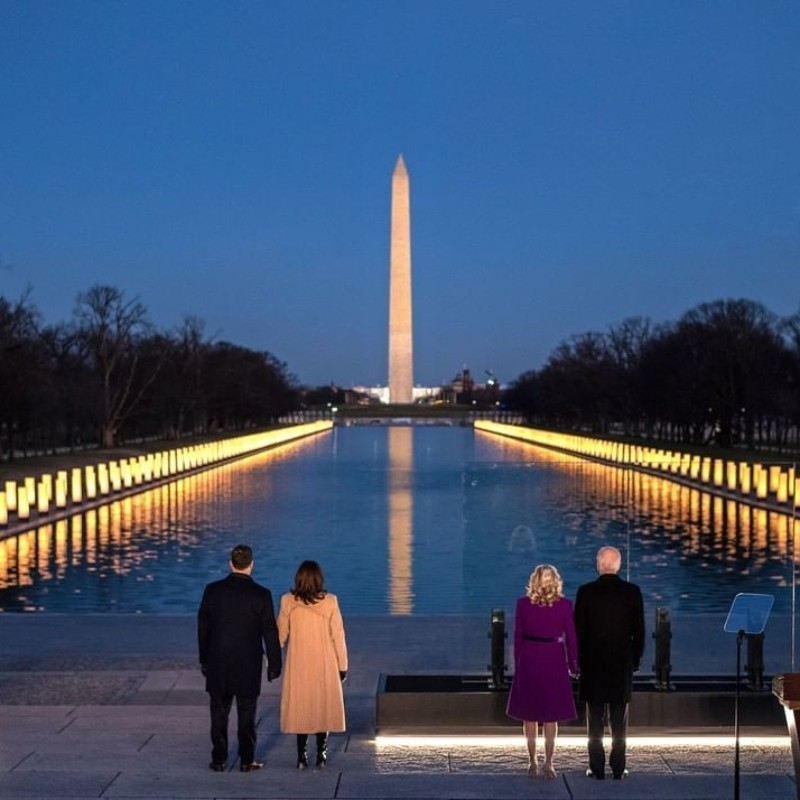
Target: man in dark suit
{"x": 235, "y": 626}
{"x": 609, "y": 620}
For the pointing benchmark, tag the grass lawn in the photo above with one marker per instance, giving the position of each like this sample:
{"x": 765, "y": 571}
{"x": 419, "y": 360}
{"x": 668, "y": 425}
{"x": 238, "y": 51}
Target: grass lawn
{"x": 35, "y": 466}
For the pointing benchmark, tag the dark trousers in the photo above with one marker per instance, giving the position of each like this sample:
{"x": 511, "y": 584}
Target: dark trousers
{"x": 246, "y": 727}
{"x": 598, "y": 716}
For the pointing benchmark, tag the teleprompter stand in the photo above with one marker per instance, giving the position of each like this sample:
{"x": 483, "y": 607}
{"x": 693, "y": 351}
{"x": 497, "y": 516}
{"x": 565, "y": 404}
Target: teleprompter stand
{"x": 747, "y": 616}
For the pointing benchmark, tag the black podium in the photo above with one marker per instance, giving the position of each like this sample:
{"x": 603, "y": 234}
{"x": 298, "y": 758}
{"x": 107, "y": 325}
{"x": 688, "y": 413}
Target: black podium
{"x": 747, "y": 616}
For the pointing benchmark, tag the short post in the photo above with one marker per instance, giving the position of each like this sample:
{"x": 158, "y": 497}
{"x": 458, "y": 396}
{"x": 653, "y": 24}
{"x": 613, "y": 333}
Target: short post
{"x": 663, "y": 636}
{"x": 786, "y": 687}
{"x": 498, "y": 636}
{"x": 755, "y": 661}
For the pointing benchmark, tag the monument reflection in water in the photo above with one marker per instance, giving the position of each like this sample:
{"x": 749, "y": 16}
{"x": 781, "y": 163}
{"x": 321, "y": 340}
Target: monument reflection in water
{"x": 408, "y": 521}
{"x": 401, "y": 519}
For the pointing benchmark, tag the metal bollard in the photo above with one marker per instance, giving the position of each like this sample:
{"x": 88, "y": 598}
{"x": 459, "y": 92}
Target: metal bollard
{"x": 663, "y": 636}
{"x": 498, "y": 636}
{"x": 755, "y": 661}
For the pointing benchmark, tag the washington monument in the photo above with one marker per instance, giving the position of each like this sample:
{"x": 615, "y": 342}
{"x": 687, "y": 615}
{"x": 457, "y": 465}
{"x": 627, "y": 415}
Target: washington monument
{"x": 401, "y": 345}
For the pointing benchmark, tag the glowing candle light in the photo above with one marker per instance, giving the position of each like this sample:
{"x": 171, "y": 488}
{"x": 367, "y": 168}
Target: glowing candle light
{"x": 77, "y": 485}
{"x": 11, "y": 495}
{"x": 761, "y": 478}
{"x": 783, "y": 487}
{"x": 30, "y": 490}
{"x": 745, "y": 484}
{"x": 731, "y": 475}
{"x": 114, "y": 475}
{"x": 125, "y": 472}
{"x": 23, "y": 506}
{"x": 102, "y": 479}
{"x": 774, "y": 477}
{"x": 61, "y": 490}
{"x": 43, "y": 501}
{"x": 91, "y": 482}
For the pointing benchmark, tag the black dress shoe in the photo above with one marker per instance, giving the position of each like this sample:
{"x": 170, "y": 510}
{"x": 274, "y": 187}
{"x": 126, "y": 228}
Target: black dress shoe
{"x": 216, "y": 766}
{"x": 252, "y": 766}
{"x": 623, "y": 774}
{"x": 595, "y": 776}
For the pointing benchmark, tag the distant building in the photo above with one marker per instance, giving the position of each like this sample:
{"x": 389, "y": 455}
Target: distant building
{"x": 463, "y": 390}
{"x": 421, "y": 394}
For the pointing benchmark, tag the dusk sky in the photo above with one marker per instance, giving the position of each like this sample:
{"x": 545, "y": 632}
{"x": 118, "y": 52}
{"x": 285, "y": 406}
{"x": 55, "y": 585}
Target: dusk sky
{"x": 572, "y": 164}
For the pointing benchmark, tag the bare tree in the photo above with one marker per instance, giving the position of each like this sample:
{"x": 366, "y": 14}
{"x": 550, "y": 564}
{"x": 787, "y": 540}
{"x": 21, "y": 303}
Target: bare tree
{"x": 626, "y": 343}
{"x": 20, "y": 366}
{"x": 112, "y": 329}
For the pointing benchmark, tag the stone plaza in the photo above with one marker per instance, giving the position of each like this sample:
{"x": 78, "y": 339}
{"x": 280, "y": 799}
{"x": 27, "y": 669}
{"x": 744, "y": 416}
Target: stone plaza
{"x": 113, "y": 706}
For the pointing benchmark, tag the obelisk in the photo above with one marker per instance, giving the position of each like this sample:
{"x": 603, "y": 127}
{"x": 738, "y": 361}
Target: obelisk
{"x": 401, "y": 349}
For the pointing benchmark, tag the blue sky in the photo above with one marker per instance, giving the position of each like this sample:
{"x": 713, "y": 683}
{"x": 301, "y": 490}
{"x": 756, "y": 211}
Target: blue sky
{"x": 571, "y": 163}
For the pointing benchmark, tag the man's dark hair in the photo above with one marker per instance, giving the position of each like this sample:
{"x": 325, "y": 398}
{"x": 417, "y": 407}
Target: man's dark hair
{"x": 241, "y": 556}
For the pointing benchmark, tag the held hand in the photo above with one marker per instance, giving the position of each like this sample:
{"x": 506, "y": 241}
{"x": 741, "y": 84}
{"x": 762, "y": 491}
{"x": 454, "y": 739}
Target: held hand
{"x": 342, "y": 675}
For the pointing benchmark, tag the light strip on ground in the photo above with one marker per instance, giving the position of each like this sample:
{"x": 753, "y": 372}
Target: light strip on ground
{"x": 698, "y": 741}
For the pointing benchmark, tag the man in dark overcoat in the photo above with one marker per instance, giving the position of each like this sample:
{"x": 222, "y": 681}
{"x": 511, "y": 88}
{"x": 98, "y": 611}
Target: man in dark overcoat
{"x": 609, "y": 620}
{"x": 235, "y": 627}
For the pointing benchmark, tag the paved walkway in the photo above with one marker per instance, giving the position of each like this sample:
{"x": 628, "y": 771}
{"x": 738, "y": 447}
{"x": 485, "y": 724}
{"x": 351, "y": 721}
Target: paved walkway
{"x": 113, "y": 707}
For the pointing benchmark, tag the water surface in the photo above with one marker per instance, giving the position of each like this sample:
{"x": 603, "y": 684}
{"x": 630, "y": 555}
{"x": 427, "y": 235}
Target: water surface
{"x": 426, "y": 520}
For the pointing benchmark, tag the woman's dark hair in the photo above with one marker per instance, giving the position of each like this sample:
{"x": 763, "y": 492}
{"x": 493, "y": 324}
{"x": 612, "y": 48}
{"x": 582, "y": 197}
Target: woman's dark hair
{"x": 309, "y": 582}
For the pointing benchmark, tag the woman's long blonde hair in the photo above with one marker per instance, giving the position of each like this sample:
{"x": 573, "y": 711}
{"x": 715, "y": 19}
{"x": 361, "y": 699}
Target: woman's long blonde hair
{"x": 545, "y": 585}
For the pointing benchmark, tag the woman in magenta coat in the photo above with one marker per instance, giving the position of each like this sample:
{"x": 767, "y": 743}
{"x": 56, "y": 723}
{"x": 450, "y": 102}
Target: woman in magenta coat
{"x": 545, "y": 653}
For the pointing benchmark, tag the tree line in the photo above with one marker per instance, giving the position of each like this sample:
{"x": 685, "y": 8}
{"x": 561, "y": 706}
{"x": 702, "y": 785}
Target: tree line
{"x": 725, "y": 373}
{"x": 108, "y": 375}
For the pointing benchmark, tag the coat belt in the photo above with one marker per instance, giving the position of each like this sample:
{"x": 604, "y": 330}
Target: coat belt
{"x": 529, "y": 638}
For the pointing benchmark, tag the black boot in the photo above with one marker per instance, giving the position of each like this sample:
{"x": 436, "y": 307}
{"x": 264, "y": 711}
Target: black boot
{"x": 322, "y": 750}
{"x": 302, "y": 754}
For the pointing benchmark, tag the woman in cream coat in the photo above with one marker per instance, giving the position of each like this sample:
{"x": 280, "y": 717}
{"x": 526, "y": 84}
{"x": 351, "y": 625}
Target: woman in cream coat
{"x": 316, "y": 662}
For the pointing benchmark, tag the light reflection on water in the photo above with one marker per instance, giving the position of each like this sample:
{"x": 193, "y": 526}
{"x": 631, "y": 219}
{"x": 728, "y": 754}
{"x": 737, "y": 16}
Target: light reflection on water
{"x": 689, "y": 551}
{"x": 404, "y": 521}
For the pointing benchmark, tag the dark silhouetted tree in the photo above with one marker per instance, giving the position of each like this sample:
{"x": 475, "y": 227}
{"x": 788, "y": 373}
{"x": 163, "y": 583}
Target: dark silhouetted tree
{"x": 112, "y": 330}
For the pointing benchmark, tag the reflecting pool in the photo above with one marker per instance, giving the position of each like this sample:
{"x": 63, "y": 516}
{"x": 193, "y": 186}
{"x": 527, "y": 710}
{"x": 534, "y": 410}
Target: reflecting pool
{"x": 424, "y": 520}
